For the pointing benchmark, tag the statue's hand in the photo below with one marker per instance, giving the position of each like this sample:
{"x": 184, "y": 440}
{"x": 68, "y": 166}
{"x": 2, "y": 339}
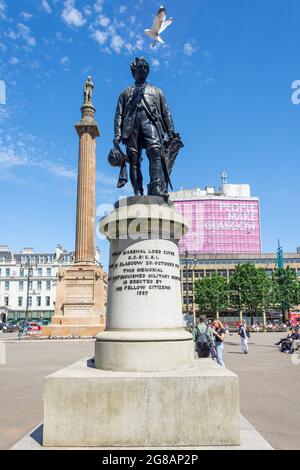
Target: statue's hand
{"x": 117, "y": 141}
{"x": 171, "y": 135}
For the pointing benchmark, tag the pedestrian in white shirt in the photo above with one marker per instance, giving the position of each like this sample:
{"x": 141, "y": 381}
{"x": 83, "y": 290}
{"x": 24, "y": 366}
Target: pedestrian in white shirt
{"x": 244, "y": 335}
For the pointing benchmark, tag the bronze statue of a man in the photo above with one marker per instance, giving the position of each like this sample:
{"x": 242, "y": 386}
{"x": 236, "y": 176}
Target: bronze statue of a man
{"x": 143, "y": 121}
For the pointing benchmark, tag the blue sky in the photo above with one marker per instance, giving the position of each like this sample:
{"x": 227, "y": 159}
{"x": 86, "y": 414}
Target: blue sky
{"x": 226, "y": 69}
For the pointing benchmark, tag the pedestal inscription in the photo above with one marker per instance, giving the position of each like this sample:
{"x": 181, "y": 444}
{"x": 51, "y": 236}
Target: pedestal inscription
{"x": 144, "y": 285}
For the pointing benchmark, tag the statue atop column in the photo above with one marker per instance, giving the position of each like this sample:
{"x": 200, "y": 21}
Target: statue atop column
{"x": 143, "y": 121}
{"x": 88, "y": 90}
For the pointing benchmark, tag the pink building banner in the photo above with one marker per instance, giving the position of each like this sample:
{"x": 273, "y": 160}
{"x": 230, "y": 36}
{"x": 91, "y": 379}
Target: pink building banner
{"x": 220, "y": 226}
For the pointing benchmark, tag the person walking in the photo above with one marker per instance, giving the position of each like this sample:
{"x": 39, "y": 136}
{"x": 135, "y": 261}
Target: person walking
{"x": 244, "y": 335}
{"x": 219, "y": 334}
{"x": 204, "y": 339}
{"x": 20, "y": 331}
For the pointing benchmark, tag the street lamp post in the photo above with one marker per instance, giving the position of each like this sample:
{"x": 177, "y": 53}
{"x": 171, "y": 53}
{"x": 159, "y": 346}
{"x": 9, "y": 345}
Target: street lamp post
{"x": 194, "y": 267}
{"x": 29, "y": 264}
{"x": 188, "y": 265}
{"x": 186, "y": 282}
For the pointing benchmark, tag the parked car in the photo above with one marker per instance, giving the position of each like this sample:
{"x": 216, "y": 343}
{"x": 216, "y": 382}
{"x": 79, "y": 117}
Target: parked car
{"x": 9, "y": 328}
{"x": 34, "y": 326}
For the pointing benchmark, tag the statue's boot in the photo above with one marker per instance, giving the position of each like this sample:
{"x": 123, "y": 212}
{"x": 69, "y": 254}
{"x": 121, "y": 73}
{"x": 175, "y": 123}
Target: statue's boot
{"x": 136, "y": 176}
{"x": 155, "y": 190}
{"x": 156, "y": 174}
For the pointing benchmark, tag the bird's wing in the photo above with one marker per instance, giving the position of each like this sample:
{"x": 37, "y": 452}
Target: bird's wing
{"x": 165, "y": 25}
{"x": 158, "y": 21}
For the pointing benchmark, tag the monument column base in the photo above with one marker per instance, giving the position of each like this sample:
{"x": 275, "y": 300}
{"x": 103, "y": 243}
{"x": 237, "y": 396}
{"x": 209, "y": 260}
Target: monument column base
{"x": 85, "y": 406}
{"x": 144, "y": 350}
{"x": 80, "y": 302}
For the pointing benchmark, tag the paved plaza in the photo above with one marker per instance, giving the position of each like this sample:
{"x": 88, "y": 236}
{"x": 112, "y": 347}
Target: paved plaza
{"x": 269, "y": 385}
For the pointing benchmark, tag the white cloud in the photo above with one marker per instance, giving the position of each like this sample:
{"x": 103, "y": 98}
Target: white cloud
{"x": 122, "y": 8}
{"x": 14, "y": 61}
{"x": 155, "y": 63}
{"x": 34, "y": 64}
{"x": 65, "y": 60}
{"x": 104, "y": 21}
{"x": 25, "y": 34}
{"x": 57, "y": 169}
{"x": 46, "y": 7}
{"x": 104, "y": 179}
{"x": 98, "y": 6}
{"x": 189, "y": 49}
{"x": 139, "y": 44}
{"x": 87, "y": 10}
{"x": 100, "y": 36}
{"x": 2, "y": 9}
{"x": 9, "y": 159}
{"x": 117, "y": 43}
{"x": 21, "y": 154}
{"x": 26, "y": 16}
{"x": 72, "y": 16}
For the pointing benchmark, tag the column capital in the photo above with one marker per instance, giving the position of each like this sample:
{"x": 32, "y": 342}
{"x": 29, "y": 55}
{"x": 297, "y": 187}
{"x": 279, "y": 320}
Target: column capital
{"x": 87, "y": 124}
{"x": 83, "y": 128}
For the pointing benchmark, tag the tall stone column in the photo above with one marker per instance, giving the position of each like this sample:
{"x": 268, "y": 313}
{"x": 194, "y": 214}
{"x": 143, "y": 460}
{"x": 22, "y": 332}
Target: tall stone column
{"x": 87, "y": 130}
{"x": 80, "y": 303}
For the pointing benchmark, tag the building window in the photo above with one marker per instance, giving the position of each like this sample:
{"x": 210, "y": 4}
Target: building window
{"x": 29, "y": 301}
{"x": 40, "y": 272}
{"x": 7, "y": 272}
{"x": 30, "y": 285}
{"x": 48, "y": 272}
{"x": 222, "y": 272}
{"x": 39, "y": 285}
{"x": 210, "y": 272}
{"x": 20, "y": 301}
{"x": 48, "y": 301}
{"x": 6, "y": 301}
{"x": 6, "y": 285}
{"x": 190, "y": 300}
{"x": 190, "y": 286}
{"x": 199, "y": 273}
{"x": 48, "y": 285}
{"x": 38, "y": 301}
{"x": 21, "y": 285}
{"x": 21, "y": 272}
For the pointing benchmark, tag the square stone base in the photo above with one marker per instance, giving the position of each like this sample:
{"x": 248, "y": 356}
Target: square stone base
{"x": 80, "y": 302}
{"x": 71, "y": 330}
{"x": 88, "y": 407}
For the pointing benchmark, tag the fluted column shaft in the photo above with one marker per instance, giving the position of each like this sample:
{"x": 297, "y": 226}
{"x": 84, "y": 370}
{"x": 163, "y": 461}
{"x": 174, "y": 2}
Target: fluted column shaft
{"x": 87, "y": 130}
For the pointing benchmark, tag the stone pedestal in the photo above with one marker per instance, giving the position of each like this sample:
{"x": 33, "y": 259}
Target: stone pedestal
{"x": 144, "y": 330}
{"x": 144, "y": 388}
{"x": 195, "y": 407}
{"x": 80, "y": 302}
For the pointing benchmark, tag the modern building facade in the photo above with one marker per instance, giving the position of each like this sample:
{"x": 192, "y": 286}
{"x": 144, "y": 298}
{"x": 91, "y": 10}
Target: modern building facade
{"x": 40, "y": 285}
{"x": 224, "y": 221}
{"x": 202, "y": 265}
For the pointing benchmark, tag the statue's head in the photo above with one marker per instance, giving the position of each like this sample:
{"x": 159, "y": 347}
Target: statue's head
{"x": 140, "y": 69}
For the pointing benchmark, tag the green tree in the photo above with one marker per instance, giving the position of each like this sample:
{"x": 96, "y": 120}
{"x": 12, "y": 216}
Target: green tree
{"x": 286, "y": 289}
{"x": 212, "y": 294}
{"x": 251, "y": 290}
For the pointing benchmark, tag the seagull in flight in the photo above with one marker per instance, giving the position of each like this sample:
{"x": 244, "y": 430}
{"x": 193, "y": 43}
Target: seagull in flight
{"x": 160, "y": 23}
